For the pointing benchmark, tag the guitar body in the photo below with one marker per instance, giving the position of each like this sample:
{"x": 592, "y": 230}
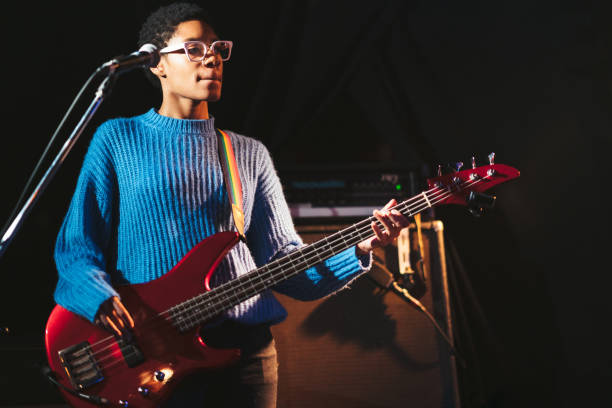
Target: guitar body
{"x": 161, "y": 346}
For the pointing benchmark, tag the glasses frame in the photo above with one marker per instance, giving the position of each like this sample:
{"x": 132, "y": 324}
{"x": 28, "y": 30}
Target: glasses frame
{"x": 183, "y": 46}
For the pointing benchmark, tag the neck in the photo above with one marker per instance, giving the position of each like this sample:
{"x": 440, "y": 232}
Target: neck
{"x": 184, "y": 109}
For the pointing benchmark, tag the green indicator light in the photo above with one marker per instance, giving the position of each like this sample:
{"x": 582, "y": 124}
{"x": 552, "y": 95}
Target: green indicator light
{"x": 398, "y": 187}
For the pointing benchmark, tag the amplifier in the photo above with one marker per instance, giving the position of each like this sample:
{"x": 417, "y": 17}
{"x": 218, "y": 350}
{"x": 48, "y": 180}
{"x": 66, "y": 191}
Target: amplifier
{"x": 366, "y": 347}
{"x": 346, "y": 191}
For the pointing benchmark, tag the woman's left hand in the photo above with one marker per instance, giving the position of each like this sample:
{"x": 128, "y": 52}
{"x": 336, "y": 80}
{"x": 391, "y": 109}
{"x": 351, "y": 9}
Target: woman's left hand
{"x": 393, "y": 222}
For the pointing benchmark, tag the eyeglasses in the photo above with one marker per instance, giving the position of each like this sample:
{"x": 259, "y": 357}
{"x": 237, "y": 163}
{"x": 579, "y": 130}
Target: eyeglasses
{"x": 197, "y": 50}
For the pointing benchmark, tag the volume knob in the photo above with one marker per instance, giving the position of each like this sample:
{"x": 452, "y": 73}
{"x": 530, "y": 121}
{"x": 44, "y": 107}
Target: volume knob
{"x": 144, "y": 391}
{"x": 159, "y": 375}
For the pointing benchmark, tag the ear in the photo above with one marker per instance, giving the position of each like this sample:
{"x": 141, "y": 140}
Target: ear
{"x": 159, "y": 70}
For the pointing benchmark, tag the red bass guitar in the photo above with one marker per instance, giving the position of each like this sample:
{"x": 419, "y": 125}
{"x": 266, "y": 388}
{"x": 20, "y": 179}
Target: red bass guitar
{"x": 93, "y": 367}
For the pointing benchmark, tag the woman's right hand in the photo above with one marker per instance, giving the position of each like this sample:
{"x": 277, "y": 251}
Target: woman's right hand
{"x": 114, "y": 317}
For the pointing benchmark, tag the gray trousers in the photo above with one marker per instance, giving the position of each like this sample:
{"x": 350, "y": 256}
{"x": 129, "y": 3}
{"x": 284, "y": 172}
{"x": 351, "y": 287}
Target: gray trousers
{"x": 251, "y": 383}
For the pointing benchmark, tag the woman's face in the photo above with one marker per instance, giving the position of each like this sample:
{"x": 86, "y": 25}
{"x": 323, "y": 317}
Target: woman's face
{"x": 185, "y": 79}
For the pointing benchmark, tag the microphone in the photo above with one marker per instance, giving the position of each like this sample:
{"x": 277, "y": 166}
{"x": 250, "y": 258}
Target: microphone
{"x": 147, "y": 56}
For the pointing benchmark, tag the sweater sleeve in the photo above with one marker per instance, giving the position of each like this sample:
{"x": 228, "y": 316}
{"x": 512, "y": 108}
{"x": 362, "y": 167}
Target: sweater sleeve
{"x": 85, "y": 233}
{"x": 272, "y": 234}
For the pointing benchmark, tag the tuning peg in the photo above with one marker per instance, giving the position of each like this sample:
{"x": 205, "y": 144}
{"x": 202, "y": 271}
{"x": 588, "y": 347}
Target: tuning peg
{"x": 473, "y": 162}
{"x": 458, "y": 166}
{"x": 492, "y": 158}
{"x": 439, "y": 170}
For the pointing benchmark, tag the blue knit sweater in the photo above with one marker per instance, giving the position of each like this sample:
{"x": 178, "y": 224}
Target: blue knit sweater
{"x": 151, "y": 187}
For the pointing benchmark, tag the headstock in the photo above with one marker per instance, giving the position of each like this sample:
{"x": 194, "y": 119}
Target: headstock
{"x": 464, "y": 187}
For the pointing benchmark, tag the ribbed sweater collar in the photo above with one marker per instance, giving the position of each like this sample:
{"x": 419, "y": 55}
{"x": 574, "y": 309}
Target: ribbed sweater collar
{"x": 172, "y": 125}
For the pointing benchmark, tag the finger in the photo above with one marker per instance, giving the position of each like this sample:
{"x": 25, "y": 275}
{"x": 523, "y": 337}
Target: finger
{"x": 398, "y": 219}
{"x": 379, "y": 235}
{"x": 123, "y": 312}
{"x": 391, "y": 203}
{"x": 383, "y": 217}
{"x": 110, "y": 325}
{"x": 118, "y": 320}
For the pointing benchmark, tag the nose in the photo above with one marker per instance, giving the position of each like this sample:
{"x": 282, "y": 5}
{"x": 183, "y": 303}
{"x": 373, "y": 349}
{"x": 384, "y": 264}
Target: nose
{"x": 211, "y": 59}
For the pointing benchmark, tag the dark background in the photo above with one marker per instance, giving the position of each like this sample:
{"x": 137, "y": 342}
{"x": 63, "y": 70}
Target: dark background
{"x": 343, "y": 82}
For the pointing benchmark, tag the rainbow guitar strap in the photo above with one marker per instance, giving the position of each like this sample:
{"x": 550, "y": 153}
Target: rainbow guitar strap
{"x": 232, "y": 179}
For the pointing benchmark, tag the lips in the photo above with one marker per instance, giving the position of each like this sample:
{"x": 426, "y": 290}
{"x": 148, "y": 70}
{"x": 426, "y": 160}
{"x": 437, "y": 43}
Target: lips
{"x": 210, "y": 78}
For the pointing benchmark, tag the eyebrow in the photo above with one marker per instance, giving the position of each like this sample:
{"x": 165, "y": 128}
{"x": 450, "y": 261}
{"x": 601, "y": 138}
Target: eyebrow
{"x": 215, "y": 38}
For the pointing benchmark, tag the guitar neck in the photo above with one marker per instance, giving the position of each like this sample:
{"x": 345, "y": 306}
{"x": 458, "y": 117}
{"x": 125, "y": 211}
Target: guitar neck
{"x": 209, "y": 304}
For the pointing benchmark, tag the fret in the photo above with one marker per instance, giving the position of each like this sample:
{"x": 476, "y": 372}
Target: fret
{"x": 361, "y": 237}
{"x": 344, "y": 240}
{"x": 180, "y": 315}
{"x": 180, "y": 322}
{"x": 252, "y": 283}
{"x": 260, "y": 273}
{"x": 198, "y": 316}
{"x": 354, "y": 231}
{"x": 318, "y": 255}
{"x": 233, "y": 299}
{"x": 328, "y": 246}
{"x": 300, "y": 255}
{"x": 291, "y": 264}
{"x": 189, "y": 320}
{"x": 426, "y": 199}
{"x": 304, "y": 255}
{"x": 306, "y": 259}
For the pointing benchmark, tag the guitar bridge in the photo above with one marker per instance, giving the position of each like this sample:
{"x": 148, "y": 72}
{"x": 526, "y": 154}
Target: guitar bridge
{"x": 80, "y": 365}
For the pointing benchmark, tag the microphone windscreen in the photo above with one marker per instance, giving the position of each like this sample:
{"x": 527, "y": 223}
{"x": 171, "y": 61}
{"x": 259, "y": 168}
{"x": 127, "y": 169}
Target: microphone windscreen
{"x": 152, "y": 50}
{"x": 148, "y": 48}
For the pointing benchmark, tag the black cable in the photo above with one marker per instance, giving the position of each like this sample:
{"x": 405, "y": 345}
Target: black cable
{"x": 405, "y": 294}
{"x": 387, "y": 281}
{"x": 49, "y": 375}
{"x": 44, "y": 154}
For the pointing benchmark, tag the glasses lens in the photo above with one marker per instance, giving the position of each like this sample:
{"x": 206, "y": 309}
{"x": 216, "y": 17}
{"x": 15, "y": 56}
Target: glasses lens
{"x": 223, "y": 48}
{"x": 195, "y": 51}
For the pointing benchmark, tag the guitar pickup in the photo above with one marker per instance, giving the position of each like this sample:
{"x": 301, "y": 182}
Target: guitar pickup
{"x": 80, "y": 365}
{"x": 130, "y": 351}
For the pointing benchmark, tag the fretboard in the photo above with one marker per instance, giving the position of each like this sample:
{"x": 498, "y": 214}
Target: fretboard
{"x": 207, "y": 305}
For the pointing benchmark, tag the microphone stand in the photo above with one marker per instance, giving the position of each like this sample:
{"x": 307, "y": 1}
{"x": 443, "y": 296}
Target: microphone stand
{"x": 15, "y": 225}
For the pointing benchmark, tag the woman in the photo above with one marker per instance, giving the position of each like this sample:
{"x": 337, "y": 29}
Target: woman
{"x": 151, "y": 187}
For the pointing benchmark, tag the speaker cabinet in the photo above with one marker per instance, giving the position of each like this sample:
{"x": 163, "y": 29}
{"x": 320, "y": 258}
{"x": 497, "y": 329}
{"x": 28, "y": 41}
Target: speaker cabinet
{"x": 366, "y": 346}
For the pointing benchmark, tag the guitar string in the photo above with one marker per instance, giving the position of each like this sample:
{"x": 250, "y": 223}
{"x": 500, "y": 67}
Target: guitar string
{"x": 442, "y": 196}
{"x": 169, "y": 311}
{"x": 254, "y": 283}
{"x": 331, "y": 246}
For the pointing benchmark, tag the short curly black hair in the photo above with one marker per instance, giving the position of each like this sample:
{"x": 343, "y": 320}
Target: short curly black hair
{"x": 160, "y": 26}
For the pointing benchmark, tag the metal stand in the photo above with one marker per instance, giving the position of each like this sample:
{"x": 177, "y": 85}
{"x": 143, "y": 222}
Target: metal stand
{"x": 15, "y": 225}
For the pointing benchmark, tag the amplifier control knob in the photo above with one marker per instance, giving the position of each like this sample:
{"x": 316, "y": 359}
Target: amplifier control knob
{"x": 144, "y": 391}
